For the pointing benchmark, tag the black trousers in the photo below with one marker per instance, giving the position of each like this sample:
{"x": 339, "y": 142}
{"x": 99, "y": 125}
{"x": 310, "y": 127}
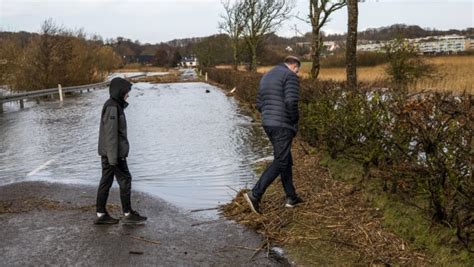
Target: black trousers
{"x": 281, "y": 139}
{"x": 124, "y": 179}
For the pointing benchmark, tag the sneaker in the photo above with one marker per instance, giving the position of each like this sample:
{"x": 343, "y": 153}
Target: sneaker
{"x": 253, "y": 202}
{"x": 106, "y": 219}
{"x": 292, "y": 202}
{"x": 133, "y": 218}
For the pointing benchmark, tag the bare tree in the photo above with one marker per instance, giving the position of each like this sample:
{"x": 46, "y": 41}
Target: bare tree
{"x": 232, "y": 24}
{"x": 10, "y": 57}
{"x": 351, "y": 43}
{"x": 261, "y": 18}
{"x": 45, "y": 50}
{"x": 55, "y": 56}
{"x": 319, "y": 12}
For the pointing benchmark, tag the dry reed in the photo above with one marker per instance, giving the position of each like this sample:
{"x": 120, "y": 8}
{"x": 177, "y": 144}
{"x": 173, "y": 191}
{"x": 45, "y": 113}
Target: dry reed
{"x": 334, "y": 213}
{"x": 453, "y": 73}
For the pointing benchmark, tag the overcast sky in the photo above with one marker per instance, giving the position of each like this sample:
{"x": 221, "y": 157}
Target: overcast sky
{"x": 155, "y": 21}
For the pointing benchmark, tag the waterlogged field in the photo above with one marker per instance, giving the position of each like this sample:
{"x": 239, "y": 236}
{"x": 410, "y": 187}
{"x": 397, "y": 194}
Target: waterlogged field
{"x": 453, "y": 73}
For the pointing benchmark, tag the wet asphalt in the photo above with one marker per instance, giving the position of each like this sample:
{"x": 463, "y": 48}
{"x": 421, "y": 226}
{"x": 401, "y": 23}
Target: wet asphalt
{"x": 64, "y": 235}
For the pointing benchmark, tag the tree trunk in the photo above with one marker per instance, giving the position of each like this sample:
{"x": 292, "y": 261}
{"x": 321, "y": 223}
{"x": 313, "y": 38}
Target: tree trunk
{"x": 235, "y": 54}
{"x": 236, "y": 61}
{"x": 253, "y": 63}
{"x": 351, "y": 44}
{"x": 235, "y": 57}
{"x": 316, "y": 44}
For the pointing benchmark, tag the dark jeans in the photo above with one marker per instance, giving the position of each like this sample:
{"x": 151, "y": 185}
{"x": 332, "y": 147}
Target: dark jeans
{"x": 281, "y": 139}
{"x": 124, "y": 179}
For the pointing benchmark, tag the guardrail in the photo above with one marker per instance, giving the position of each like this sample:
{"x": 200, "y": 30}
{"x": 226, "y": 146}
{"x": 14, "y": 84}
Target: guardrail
{"x": 52, "y": 91}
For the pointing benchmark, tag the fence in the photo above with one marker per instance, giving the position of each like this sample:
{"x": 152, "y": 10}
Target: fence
{"x": 52, "y": 91}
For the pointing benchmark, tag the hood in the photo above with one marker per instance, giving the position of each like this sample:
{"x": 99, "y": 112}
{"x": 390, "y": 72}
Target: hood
{"x": 119, "y": 87}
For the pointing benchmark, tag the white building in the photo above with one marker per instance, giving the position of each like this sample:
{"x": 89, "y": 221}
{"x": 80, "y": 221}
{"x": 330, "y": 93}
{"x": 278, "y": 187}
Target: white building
{"x": 449, "y": 44}
{"x": 189, "y": 62}
{"x": 371, "y": 47}
{"x": 330, "y": 46}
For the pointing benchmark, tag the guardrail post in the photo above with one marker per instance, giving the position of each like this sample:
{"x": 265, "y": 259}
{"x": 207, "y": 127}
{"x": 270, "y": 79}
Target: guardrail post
{"x": 1, "y": 103}
{"x": 206, "y": 77}
{"x": 60, "y": 88}
{"x": 22, "y": 104}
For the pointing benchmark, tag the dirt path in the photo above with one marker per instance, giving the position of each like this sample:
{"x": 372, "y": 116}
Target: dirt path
{"x": 51, "y": 224}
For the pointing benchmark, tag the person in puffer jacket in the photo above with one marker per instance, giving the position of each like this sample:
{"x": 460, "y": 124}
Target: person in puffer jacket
{"x": 113, "y": 149}
{"x": 277, "y": 102}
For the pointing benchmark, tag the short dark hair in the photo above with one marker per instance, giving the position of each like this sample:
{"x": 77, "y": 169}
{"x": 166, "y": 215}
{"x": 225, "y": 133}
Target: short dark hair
{"x": 292, "y": 60}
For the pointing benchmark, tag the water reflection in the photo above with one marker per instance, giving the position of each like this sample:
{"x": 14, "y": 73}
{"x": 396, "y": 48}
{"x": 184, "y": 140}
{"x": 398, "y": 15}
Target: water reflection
{"x": 187, "y": 146}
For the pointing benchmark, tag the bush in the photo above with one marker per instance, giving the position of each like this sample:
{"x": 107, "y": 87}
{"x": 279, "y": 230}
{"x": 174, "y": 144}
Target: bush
{"x": 421, "y": 145}
{"x": 55, "y": 56}
{"x": 405, "y": 65}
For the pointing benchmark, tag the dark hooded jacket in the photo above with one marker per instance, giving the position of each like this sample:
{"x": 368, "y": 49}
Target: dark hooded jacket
{"x": 278, "y": 97}
{"x": 113, "y": 142}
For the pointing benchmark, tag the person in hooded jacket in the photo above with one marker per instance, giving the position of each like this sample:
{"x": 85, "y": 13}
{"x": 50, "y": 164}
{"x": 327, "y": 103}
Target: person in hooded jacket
{"x": 277, "y": 101}
{"x": 113, "y": 149}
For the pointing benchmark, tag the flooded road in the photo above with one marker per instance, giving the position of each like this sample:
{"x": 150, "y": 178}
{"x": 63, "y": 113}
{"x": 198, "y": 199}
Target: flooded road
{"x": 189, "y": 147}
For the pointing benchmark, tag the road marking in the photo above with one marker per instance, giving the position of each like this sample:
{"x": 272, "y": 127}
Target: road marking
{"x": 35, "y": 171}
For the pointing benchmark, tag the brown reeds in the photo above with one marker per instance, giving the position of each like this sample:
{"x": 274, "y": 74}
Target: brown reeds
{"x": 334, "y": 214}
{"x": 453, "y": 73}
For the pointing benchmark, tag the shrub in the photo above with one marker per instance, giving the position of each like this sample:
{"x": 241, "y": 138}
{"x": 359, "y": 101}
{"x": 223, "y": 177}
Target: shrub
{"x": 420, "y": 143}
{"x": 405, "y": 65}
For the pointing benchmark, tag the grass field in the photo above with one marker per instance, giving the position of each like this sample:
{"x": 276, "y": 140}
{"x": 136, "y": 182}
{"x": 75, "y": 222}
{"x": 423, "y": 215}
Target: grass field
{"x": 454, "y": 73}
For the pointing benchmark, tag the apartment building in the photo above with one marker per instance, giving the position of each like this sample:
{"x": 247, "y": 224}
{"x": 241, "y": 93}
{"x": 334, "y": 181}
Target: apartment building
{"x": 371, "y": 47}
{"x": 448, "y": 44}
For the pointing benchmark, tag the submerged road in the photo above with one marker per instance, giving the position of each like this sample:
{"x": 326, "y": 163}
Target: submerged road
{"x": 188, "y": 147}
{"x": 191, "y": 147}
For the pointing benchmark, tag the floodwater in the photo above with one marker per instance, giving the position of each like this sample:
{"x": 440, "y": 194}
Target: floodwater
{"x": 189, "y": 147}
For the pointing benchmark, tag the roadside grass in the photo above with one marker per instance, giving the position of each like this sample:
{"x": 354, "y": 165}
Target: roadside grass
{"x": 453, "y": 73}
{"x": 407, "y": 221}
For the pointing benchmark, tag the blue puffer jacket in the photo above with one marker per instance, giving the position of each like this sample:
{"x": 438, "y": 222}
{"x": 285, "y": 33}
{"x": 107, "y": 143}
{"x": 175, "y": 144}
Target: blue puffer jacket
{"x": 278, "y": 97}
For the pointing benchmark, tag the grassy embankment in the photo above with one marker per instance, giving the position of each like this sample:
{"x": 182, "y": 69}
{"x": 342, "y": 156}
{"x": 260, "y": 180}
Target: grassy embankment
{"x": 345, "y": 221}
{"x": 454, "y": 73}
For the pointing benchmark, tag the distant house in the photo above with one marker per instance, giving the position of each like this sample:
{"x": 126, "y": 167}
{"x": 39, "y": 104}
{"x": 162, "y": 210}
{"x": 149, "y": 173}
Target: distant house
{"x": 330, "y": 46}
{"x": 189, "y": 62}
